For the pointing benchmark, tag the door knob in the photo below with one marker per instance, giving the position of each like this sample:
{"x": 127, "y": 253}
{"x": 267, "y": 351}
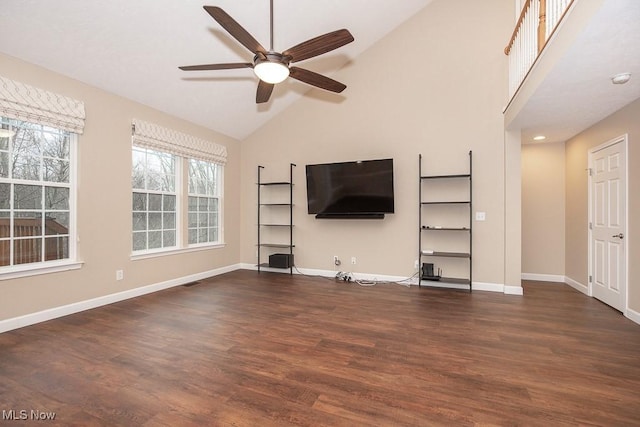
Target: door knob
{"x": 619, "y": 236}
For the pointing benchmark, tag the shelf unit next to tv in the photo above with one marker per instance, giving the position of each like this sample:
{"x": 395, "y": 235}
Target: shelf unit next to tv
{"x": 277, "y": 225}
{"x": 424, "y": 231}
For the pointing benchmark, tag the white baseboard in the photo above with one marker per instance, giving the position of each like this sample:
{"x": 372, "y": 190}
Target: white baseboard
{"x": 557, "y": 279}
{"x": 632, "y": 315}
{"x": 479, "y": 286}
{"x": 513, "y": 290}
{"x": 490, "y": 287}
{"x": 332, "y": 273}
{"x": 53, "y": 313}
{"x": 543, "y": 277}
{"x": 577, "y": 285}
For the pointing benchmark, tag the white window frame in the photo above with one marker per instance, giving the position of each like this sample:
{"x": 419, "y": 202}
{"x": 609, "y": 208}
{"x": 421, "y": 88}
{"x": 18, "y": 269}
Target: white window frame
{"x": 219, "y": 196}
{"x": 184, "y": 146}
{"x": 177, "y": 193}
{"x": 70, "y": 263}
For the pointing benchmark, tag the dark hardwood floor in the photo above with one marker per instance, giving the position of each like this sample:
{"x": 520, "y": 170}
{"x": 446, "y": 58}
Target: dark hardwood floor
{"x": 248, "y": 349}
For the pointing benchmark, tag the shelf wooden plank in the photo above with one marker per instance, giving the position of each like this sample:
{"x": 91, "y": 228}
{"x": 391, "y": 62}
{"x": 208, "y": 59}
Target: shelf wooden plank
{"x": 276, "y": 245}
{"x": 446, "y": 228}
{"x": 462, "y": 175}
{"x": 266, "y": 265}
{"x": 447, "y": 254}
{"x": 276, "y": 225}
{"x": 277, "y": 204}
{"x": 452, "y": 280}
{"x": 455, "y": 280}
{"x": 453, "y": 202}
{"x": 276, "y": 183}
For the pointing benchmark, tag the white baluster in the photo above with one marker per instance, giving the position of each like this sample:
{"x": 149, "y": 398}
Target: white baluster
{"x": 525, "y": 45}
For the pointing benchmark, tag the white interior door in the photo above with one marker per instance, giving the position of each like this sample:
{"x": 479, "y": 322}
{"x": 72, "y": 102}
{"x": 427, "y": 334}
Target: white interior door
{"x": 608, "y": 223}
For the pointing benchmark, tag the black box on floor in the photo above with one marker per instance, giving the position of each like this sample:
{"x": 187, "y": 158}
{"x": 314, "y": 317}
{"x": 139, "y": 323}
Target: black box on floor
{"x": 281, "y": 260}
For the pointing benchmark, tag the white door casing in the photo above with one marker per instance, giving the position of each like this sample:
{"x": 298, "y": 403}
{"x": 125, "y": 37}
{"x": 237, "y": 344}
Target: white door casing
{"x": 608, "y": 222}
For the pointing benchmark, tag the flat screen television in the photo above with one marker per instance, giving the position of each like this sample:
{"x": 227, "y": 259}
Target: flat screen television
{"x": 359, "y": 189}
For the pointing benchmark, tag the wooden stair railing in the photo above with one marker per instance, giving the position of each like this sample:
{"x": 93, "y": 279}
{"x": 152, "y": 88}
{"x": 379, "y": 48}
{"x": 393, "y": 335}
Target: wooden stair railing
{"x": 536, "y": 23}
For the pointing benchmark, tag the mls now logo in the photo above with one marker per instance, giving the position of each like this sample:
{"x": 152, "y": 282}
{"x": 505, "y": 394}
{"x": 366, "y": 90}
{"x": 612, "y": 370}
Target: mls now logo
{"x": 23, "y": 414}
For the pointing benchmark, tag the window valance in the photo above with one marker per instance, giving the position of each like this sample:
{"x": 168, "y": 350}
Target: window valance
{"x": 24, "y": 102}
{"x": 150, "y": 135}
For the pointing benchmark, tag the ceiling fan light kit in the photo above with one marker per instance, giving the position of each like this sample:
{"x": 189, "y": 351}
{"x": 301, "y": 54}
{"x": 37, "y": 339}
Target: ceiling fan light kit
{"x": 272, "y": 67}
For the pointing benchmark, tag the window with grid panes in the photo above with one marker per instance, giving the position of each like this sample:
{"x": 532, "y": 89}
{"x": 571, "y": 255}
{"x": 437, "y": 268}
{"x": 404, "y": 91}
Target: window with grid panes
{"x": 36, "y": 193}
{"x": 155, "y": 200}
{"x": 205, "y": 194}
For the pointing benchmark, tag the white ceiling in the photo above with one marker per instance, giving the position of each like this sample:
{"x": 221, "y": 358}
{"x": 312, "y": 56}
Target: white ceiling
{"x": 578, "y": 92}
{"x": 133, "y": 48}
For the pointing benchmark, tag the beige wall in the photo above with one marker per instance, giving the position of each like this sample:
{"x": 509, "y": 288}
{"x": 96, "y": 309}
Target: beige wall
{"x": 104, "y": 203}
{"x": 512, "y": 210}
{"x": 543, "y": 212}
{"x": 436, "y": 86}
{"x": 624, "y": 121}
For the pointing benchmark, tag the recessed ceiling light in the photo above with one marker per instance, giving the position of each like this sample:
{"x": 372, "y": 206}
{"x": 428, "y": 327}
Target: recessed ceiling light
{"x": 620, "y": 79}
{"x": 539, "y": 138}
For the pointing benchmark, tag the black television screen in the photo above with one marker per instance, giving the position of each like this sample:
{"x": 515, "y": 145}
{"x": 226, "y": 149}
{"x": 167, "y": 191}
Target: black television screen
{"x": 360, "y": 188}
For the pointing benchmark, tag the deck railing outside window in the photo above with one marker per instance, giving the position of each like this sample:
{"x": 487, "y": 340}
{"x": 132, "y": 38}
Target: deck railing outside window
{"x": 28, "y": 249}
{"x": 536, "y": 24}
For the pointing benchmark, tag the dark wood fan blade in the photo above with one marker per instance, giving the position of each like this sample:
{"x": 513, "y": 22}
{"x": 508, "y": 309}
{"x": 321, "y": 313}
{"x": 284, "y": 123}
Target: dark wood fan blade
{"x": 319, "y": 45}
{"x": 315, "y": 79}
{"x": 264, "y": 92}
{"x": 236, "y": 30}
{"x": 216, "y": 66}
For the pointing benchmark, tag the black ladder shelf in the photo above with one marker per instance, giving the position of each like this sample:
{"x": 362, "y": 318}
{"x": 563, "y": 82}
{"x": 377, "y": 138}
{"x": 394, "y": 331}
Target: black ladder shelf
{"x": 425, "y": 230}
{"x": 268, "y": 205}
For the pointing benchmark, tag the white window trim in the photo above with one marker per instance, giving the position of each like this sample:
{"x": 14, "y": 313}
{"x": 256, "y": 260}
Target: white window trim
{"x": 179, "y": 195}
{"x": 71, "y": 263}
{"x": 220, "y": 198}
{"x": 155, "y": 254}
{"x": 73, "y": 197}
{"x": 26, "y": 270}
{"x": 154, "y": 137}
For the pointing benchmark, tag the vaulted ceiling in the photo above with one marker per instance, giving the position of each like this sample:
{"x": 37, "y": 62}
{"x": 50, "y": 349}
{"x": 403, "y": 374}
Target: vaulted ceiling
{"x": 134, "y": 48}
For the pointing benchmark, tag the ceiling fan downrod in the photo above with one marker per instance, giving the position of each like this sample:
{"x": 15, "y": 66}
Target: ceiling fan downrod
{"x": 271, "y": 28}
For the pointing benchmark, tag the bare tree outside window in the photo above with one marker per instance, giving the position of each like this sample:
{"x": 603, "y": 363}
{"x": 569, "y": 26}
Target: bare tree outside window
{"x": 35, "y": 193}
{"x": 204, "y": 202}
{"x": 154, "y": 199}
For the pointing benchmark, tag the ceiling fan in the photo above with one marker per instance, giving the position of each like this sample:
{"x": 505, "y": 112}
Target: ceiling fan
{"x": 273, "y": 67}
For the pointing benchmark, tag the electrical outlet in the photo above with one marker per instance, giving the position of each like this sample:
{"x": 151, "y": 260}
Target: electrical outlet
{"x": 119, "y": 274}
{"x": 336, "y": 260}
{"x": 481, "y": 216}
{"x": 353, "y": 260}
{"x": 416, "y": 264}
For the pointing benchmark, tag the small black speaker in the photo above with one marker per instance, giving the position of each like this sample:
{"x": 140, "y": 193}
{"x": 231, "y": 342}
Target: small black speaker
{"x": 427, "y": 269}
{"x": 281, "y": 260}
{"x": 428, "y": 273}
